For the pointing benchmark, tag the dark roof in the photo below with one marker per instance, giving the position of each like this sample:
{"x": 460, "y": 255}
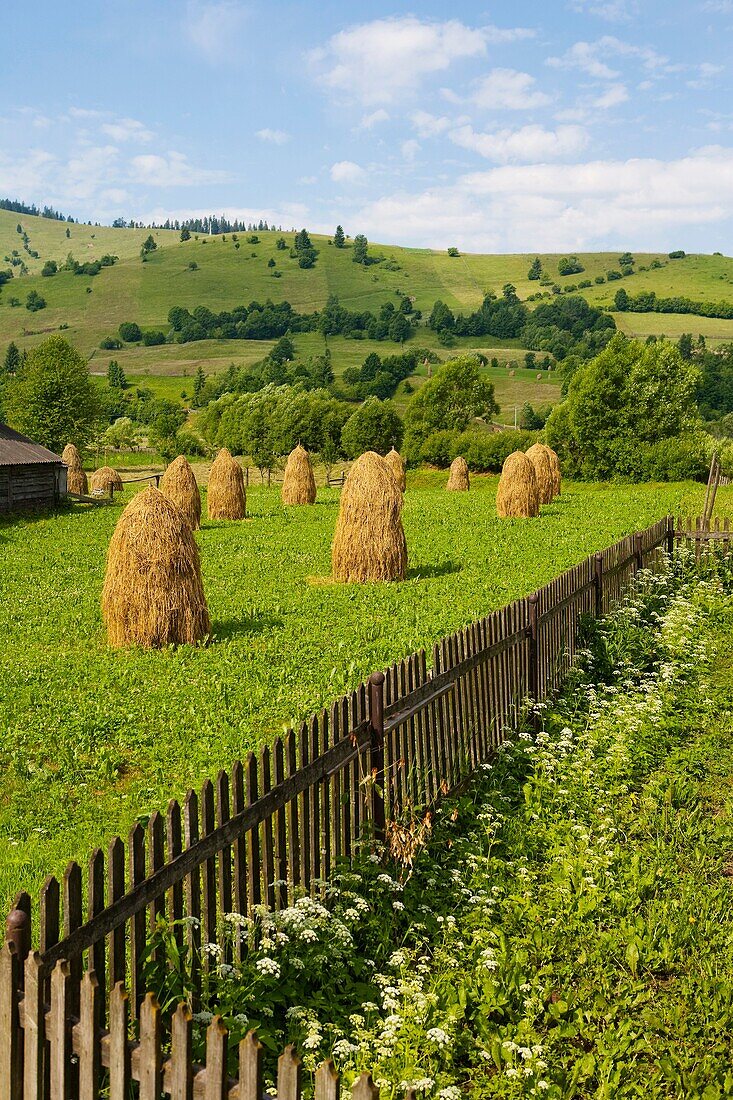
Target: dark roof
{"x": 19, "y": 450}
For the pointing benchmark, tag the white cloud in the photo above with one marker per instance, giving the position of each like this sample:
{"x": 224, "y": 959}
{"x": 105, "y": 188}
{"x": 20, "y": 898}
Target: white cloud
{"x": 528, "y": 144}
{"x": 379, "y": 61}
{"x": 127, "y": 129}
{"x": 592, "y": 57}
{"x": 345, "y": 171}
{"x": 171, "y": 170}
{"x": 372, "y": 119}
{"x": 428, "y": 125}
{"x": 288, "y": 214}
{"x": 718, "y": 7}
{"x": 410, "y": 149}
{"x": 213, "y": 25}
{"x": 614, "y": 11}
{"x": 613, "y": 96}
{"x": 552, "y": 208}
{"x": 507, "y": 89}
{"x": 275, "y": 137}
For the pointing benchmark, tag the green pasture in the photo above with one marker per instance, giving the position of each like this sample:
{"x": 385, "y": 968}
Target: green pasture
{"x": 93, "y": 738}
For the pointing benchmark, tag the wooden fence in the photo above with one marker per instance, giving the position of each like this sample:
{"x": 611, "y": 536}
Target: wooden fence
{"x": 276, "y": 824}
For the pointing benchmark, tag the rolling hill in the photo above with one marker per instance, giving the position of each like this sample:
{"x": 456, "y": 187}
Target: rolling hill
{"x": 214, "y": 272}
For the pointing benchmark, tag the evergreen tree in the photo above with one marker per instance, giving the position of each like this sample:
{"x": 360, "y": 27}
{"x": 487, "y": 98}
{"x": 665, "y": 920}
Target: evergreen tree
{"x": 11, "y": 362}
{"x": 198, "y": 385}
{"x": 116, "y": 376}
{"x": 185, "y": 234}
{"x": 535, "y": 269}
{"x": 339, "y": 238}
{"x": 361, "y": 246}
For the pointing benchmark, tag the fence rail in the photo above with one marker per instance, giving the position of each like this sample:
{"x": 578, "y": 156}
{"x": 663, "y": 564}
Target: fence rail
{"x": 276, "y": 824}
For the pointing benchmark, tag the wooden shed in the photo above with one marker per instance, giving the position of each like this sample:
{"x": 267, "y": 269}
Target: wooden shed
{"x": 30, "y": 475}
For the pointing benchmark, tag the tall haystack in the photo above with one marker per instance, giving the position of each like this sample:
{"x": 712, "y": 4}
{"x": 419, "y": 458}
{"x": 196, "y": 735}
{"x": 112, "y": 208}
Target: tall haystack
{"x": 538, "y": 456}
{"x": 106, "y": 479}
{"x": 178, "y": 484}
{"x": 458, "y": 479}
{"x": 76, "y": 479}
{"x": 299, "y": 484}
{"x": 556, "y": 474}
{"x": 153, "y": 595}
{"x": 517, "y": 494}
{"x": 369, "y": 541}
{"x": 226, "y": 497}
{"x": 396, "y": 464}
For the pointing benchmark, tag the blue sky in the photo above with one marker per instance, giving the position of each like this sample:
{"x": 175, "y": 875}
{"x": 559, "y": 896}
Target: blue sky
{"x": 574, "y": 124}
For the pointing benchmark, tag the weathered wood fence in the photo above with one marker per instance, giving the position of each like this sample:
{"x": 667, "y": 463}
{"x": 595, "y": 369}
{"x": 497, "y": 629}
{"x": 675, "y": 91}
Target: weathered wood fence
{"x": 273, "y": 826}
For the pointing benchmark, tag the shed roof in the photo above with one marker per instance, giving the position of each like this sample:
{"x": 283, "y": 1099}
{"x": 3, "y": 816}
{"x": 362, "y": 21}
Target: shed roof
{"x": 19, "y": 450}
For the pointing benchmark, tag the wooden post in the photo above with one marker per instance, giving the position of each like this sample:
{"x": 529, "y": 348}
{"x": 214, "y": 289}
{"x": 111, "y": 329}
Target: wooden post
{"x": 638, "y": 553}
{"x": 376, "y": 723}
{"x": 18, "y": 933}
{"x": 670, "y": 535}
{"x": 534, "y": 670}
{"x": 11, "y": 1047}
{"x": 598, "y": 583}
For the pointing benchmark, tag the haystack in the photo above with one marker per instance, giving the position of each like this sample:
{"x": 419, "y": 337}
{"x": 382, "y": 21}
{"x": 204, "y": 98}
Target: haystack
{"x": 396, "y": 464}
{"x": 517, "y": 494}
{"x": 226, "y": 497}
{"x": 70, "y": 456}
{"x": 76, "y": 479}
{"x": 458, "y": 479}
{"x": 538, "y": 456}
{"x": 299, "y": 484}
{"x": 153, "y": 595}
{"x": 369, "y": 541}
{"x": 178, "y": 484}
{"x": 555, "y": 466}
{"x": 106, "y": 479}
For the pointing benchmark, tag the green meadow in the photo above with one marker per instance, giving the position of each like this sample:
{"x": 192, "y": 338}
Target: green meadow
{"x": 93, "y": 738}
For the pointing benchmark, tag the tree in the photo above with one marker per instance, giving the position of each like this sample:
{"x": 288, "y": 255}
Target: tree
{"x": 453, "y": 252}
{"x": 149, "y": 245}
{"x": 198, "y": 386}
{"x": 570, "y": 266}
{"x": 455, "y": 395}
{"x": 535, "y": 270}
{"x": 185, "y": 234}
{"x": 130, "y": 332}
{"x": 116, "y": 376}
{"x": 400, "y": 329}
{"x": 34, "y": 301}
{"x": 53, "y": 398}
{"x": 530, "y": 361}
{"x": 49, "y": 268}
{"x": 121, "y": 434}
{"x": 685, "y": 345}
{"x": 68, "y": 232}
{"x": 339, "y": 237}
{"x": 530, "y": 420}
{"x": 629, "y": 396}
{"x": 11, "y": 362}
{"x": 441, "y": 317}
{"x": 360, "y": 250}
{"x": 375, "y": 426}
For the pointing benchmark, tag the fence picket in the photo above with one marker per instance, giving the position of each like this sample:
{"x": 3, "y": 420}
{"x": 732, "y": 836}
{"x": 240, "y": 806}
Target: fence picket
{"x": 119, "y": 1052}
{"x": 253, "y": 836}
{"x": 268, "y": 852}
{"x": 90, "y": 1061}
{"x": 181, "y": 1061}
{"x": 289, "y": 1075}
{"x": 59, "y": 1054}
{"x": 174, "y": 844}
{"x": 281, "y": 845}
{"x": 193, "y": 896}
{"x": 136, "y": 855}
{"x": 150, "y": 1058}
{"x": 11, "y": 1050}
{"x": 216, "y": 1087}
{"x": 224, "y": 882}
{"x": 34, "y": 1030}
{"x": 327, "y": 1082}
{"x": 250, "y": 1068}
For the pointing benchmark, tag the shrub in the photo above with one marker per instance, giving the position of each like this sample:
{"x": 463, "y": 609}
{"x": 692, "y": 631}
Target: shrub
{"x": 130, "y": 332}
{"x": 34, "y": 301}
{"x": 152, "y": 338}
{"x": 110, "y": 343}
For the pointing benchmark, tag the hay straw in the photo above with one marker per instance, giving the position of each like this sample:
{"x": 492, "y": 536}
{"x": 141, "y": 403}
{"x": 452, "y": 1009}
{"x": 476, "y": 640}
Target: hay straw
{"x": 517, "y": 494}
{"x": 538, "y": 456}
{"x": 76, "y": 481}
{"x": 178, "y": 484}
{"x": 70, "y": 457}
{"x": 105, "y": 478}
{"x": 299, "y": 484}
{"x": 153, "y": 595}
{"x": 396, "y": 464}
{"x": 458, "y": 479}
{"x": 226, "y": 497}
{"x": 369, "y": 541}
{"x": 555, "y": 467}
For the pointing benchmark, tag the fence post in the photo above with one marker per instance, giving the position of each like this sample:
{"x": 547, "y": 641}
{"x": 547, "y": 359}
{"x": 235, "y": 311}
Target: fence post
{"x": 670, "y": 535}
{"x": 534, "y": 668}
{"x": 18, "y": 933}
{"x": 376, "y": 723}
{"x": 598, "y": 582}
{"x": 638, "y": 553}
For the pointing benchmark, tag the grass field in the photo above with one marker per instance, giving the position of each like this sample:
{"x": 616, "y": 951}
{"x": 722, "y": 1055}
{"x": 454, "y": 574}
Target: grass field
{"x": 93, "y": 738}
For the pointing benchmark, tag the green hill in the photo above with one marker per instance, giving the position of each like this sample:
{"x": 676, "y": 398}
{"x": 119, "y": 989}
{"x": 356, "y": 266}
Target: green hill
{"x": 214, "y": 272}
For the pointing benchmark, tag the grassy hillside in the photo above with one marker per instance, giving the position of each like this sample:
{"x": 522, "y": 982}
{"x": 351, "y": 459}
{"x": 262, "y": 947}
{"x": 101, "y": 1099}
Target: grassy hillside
{"x": 88, "y": 308}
